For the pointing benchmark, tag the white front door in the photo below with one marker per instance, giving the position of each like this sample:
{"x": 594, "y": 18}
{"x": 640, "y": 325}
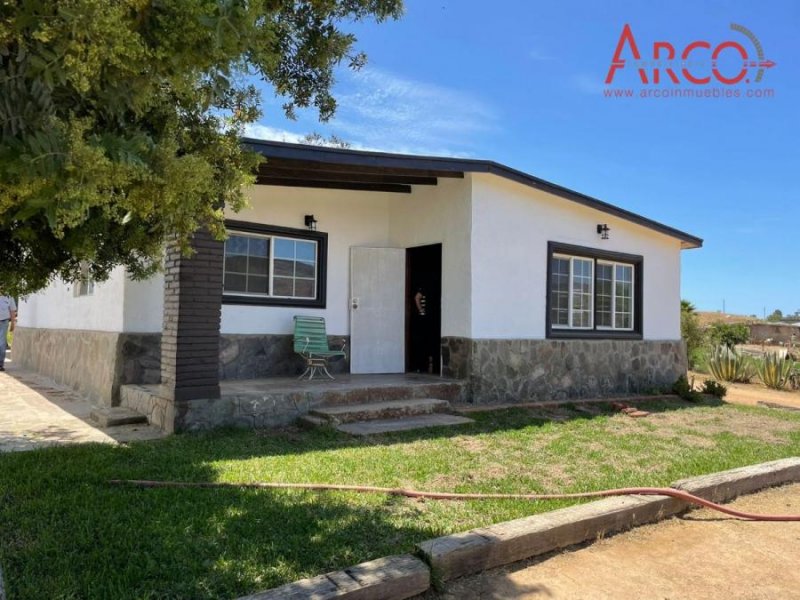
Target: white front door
{"x": 377, "y": 310}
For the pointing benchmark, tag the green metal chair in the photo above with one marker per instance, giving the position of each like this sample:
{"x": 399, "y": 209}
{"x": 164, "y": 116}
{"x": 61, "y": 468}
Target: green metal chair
{"x": 311, "y": 342}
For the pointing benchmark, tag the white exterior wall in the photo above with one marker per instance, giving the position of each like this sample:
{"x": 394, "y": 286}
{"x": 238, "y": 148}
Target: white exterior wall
{"x": 494, "y": 234}
{"x": 144, "y": 305}
{"x": 351, "y": 218}
{"x": 511, "y": 226}
{"x": 56, "y": 307}
{"x": 441, "y": 214}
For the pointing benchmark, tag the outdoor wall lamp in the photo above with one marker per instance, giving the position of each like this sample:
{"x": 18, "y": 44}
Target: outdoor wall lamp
{"x": 311, "y": 222}
{"x": 602, "y": 231}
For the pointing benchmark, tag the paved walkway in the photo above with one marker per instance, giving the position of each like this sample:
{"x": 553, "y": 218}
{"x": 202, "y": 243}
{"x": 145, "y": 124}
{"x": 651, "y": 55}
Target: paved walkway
{"x": 36, "y": 412}
{"x": 701, "y": 555}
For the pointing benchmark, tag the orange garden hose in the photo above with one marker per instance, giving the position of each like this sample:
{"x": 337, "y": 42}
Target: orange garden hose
{"x": 634, "y": 491}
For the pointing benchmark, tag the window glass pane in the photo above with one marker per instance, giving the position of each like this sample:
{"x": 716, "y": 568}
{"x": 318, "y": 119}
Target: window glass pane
{"x": 257, "y": 285}
{"x": 304, "y": 288}
{"x": 235, "y": 283}
{"x": 603, "y": 300}
{"x": 284, "y": 267}
{"x": 247, "y": 264}
{"x": 582, "y": 292}
{"x": 304, "y": 269}
{"x": 306, "y": 251}
{"x": 258, "y": 247}
{"x": 623, "y": 290}
{"x": 284, "y": 248}
{"x": 258, "y": 266}
{"x": 236, "y": 244}
{"x": 559, "y": 291}
{"x": 282, "y": 286}
{"x": 236, "y": 264}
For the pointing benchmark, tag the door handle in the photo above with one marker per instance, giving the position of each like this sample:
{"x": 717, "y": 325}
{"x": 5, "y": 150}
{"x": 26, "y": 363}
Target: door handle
{"x": 354, "y": 303}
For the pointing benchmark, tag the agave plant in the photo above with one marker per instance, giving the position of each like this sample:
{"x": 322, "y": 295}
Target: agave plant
{"x": 726, "y": 364}
{"x": 775, "y": 371}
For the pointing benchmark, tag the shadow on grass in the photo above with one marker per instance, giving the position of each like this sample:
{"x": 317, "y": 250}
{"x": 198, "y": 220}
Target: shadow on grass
{"x": 65, "y": 532}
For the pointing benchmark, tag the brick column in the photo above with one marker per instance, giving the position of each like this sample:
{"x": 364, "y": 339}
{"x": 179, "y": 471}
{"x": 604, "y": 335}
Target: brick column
{"x": 190, "y": 336}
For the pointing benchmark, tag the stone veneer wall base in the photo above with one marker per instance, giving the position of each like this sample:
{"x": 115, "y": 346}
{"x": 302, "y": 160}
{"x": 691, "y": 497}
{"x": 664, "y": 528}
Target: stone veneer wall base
{"x": 524, "y": 370}
{"x": 94, "y": 363}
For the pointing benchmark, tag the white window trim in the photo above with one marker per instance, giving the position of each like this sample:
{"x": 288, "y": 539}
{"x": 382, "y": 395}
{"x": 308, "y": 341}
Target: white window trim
{"x": 271, "y": 275}
{"x": 572, "y": 260}
{"x": 614, "y": 266}
{"x": 85, "y": 279}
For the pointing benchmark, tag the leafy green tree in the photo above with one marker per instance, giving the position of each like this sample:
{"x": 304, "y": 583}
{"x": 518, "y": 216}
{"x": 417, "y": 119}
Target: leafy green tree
{"x": 728, "y": 334}
{"x": 776, "y": 315}
{"x": 317, "y": 139}
{"x": 121, "y": 120}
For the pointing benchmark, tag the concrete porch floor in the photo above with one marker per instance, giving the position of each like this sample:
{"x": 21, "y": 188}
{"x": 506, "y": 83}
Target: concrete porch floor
{"x": 278, "y": 401}
{"x": 344, "y": 382}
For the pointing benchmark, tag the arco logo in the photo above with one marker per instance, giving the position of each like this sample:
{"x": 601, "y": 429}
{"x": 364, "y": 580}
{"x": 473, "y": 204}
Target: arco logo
{"x": 695, "y": 60}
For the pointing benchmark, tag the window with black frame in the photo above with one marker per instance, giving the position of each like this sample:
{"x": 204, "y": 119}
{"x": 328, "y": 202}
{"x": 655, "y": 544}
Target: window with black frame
{"x": 270, "y": 265}
{"x": 593, "y": 293}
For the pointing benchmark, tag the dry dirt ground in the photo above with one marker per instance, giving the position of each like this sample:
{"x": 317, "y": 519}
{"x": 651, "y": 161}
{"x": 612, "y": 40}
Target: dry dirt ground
{"x": 753, "y": 393}
{"x": 702, "y": 554}
{"x": 706, "y": 318}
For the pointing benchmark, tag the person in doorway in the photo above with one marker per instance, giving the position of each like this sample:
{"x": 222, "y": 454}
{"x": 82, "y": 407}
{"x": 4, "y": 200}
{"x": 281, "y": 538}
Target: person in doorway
{"x": 8, "y": 320}
{"x": 419, "y": 333}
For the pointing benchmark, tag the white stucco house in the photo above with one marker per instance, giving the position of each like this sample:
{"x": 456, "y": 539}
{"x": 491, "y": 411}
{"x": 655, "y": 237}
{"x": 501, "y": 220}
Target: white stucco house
{"x": 464, "y": 268}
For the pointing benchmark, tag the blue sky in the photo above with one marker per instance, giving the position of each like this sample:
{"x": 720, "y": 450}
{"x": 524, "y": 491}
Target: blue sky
{"x": 522, "y": 83}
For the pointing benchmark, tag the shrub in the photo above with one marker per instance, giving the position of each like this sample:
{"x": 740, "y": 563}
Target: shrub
{"x": 728, "y": 334}
{"x": 714, "y": 388}
{"x": 686, "y": 390}
{"x": 774, "y": 371}
{"x": 698, "y": 359}
{"x": 728, "y": 365}
{"x": 692, "y": 334}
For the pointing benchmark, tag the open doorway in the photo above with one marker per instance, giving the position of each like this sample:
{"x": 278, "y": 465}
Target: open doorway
{"x": 424, "y": 309}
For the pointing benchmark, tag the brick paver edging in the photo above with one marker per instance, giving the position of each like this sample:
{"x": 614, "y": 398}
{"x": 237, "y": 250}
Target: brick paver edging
{"x": 450, "y": 556}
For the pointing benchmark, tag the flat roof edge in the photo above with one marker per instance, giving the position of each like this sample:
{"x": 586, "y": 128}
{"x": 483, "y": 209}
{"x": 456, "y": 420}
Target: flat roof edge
{"x": 370, "y": 158}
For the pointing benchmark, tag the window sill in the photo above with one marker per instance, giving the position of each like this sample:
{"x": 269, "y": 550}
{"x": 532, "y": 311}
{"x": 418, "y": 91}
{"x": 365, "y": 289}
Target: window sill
{"x": 588, "y": 334}
{"x": 260, "y": 301}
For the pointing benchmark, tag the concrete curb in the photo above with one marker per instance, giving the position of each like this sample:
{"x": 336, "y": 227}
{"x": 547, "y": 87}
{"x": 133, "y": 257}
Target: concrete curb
{"x": 472, "y": 551}
{"x": 451, "y": 556}
{"x": 487, "y": 547}
{"x": 389, "y": 578}
{"x": 727, "y": 485}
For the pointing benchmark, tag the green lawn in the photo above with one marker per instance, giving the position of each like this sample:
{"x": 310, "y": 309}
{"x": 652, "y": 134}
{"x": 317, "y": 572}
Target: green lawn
{"x": 66, "y": 533}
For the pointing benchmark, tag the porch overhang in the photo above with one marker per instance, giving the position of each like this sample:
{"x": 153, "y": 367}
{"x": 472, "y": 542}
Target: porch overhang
{"x": 309, "y": 166}
{"x": 303, "y": 165}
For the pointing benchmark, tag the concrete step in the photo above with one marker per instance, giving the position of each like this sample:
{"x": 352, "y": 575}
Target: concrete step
{"x": 310, "y": 422}
{"x": 115, "y": 416}
{"x": 350, "y": 413}
{"x": 362, "y": 428}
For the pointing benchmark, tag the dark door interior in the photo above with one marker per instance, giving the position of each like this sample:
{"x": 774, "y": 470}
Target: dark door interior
{"x": 423, "y": 308}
